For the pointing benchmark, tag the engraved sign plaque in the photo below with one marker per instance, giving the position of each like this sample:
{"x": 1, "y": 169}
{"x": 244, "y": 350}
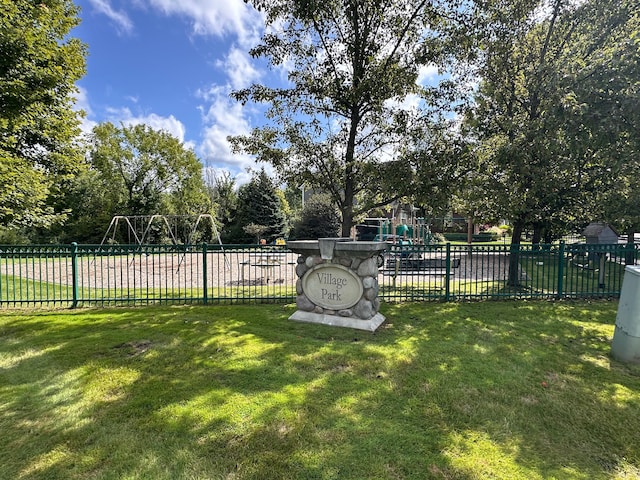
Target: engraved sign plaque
{"x": 332, "y": 286}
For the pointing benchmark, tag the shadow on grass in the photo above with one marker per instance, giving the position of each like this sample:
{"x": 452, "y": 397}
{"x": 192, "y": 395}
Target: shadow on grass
{"x": 509, "y": 390}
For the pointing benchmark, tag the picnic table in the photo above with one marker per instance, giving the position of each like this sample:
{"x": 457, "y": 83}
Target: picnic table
{"x": 265, "y": 261}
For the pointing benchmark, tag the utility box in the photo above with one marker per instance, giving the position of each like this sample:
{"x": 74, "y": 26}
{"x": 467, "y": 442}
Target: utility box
{"x": 626, "y": 337}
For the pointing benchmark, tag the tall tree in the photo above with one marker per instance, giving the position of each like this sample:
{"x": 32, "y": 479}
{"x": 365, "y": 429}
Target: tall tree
{"x": 341, "y": 124}
{"x": 221, "y": 188}
{"x": 39, "y": 65}
{"x": 518, "y": 90}
{"x": 606, "y": 102}
{"x": 526, "y": 115}
{"x": 259, "y": 209}
{"x": 151, "y": 169}
{"x": 543, "y": 166}
{"x": 133, "y": 170}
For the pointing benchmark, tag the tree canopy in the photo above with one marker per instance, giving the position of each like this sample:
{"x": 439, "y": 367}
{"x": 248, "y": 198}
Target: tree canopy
{"x": 607, "y": 105}
{"x": 39, "y": 65}
{"x": 134, "y": 170}
{"x": 153, "y": 170}
{"x": 318, "y": 219}
{"x": 221, "y": 188}
{"x": 259, "y": 213}
{"x": 342, "y": 125}
{"x": 543, "y": 158}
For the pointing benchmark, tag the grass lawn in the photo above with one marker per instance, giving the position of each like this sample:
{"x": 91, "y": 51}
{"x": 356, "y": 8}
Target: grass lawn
{"x": 504, "y": 390}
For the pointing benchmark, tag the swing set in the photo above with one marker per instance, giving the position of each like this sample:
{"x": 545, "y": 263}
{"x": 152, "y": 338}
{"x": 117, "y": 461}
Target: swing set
{"x": 139, "y": 228}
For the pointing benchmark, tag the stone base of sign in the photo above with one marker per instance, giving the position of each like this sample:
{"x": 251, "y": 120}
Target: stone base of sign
{"x": 337, "y": 282}
{"x": 369, "y": 325}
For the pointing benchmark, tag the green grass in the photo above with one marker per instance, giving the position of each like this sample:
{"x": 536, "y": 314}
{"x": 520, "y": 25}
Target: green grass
{"x": 14, "y": 289}
{"x": 542, "y": 272}
{"x": 517, "y": 390}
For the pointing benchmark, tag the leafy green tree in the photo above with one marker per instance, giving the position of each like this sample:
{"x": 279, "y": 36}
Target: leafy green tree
{"x": 519, "y": 88}
{"x": 443, "y": 165}
{"x": 319, "y": 219}
{"x": 221, "y": 188}
{"x": 606, "y": 102}
{"x": 39, "y": 65}
{"x": 152, "y": 170}
{"x": 293, "y": 193}
{"x": 134, "y": 170}
{"x": 541, "y": 161}
{"x": 259, "y": 209}
{"x": 341, "y": 125}
{"x": 93, "y": 201}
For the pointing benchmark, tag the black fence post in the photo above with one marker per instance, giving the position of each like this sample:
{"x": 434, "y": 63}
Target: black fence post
{"x": 447, "y": 282}
{"x": 561, "y": 269}
{"x": 205, "y": 286}
{"x": 74, "y": 274}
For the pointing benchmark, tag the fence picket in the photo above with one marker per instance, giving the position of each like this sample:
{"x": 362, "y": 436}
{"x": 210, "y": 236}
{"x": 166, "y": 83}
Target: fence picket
{"x": 77, "y": 275}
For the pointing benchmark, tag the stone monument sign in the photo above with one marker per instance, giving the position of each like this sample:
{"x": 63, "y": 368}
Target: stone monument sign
{"x": 338, "y": 282}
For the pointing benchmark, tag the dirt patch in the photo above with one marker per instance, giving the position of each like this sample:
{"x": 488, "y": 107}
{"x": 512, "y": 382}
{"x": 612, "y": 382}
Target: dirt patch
{"x": 134, "y": 348}
{"x": 168, "y": 271}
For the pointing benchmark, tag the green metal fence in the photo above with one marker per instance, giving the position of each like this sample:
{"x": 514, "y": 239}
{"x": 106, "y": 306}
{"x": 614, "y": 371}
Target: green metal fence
{"x": 475, "y": 272}
{"x": 86, "y": 275}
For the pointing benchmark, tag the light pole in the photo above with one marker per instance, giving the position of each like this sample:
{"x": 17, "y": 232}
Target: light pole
{"x": 301, "y": 187}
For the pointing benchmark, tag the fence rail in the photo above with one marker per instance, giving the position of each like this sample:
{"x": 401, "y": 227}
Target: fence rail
{"x": 86, "y": 275}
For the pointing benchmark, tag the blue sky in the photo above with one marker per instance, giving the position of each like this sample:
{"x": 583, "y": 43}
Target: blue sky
{"x": 171, "y": 64}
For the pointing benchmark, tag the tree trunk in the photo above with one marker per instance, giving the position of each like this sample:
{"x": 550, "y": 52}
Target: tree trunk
{"x": 349, "y": 173}
{"x": 537, "y": 235}
{"x": 347, "y": 218}
{"x": 514, "y": 255}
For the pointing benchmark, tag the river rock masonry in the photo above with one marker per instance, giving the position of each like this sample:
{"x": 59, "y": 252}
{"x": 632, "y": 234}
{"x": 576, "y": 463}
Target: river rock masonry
{"x": 338, "y": 282}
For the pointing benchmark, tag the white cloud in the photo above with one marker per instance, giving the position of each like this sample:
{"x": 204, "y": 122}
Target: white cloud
{"x": 124, "y": 115}
{"x": 120, "y": 18}
{"x": 240, "y": 177}
{"x": 82, "y": 100}
{"x": 428, "y": 75}
{"x": 169, "y": 124}
{"x": 216, "y": 17}
{"x": 410, "y": 103}
{"x": 238, "y": 68}
{"x": 207, "y": 17}
{"x": 82, "y": 103}
{"x": 223, "y": 117}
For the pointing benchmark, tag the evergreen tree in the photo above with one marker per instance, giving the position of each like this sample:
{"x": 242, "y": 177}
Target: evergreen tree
{"x": 258, "y": 205}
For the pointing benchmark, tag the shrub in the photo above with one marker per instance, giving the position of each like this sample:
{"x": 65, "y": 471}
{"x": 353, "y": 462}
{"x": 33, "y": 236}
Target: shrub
{"x": 319, "y": 219}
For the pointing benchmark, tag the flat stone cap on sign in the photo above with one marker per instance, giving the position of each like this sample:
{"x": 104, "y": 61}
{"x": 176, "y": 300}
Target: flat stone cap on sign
{"x": 341, "y": 247}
